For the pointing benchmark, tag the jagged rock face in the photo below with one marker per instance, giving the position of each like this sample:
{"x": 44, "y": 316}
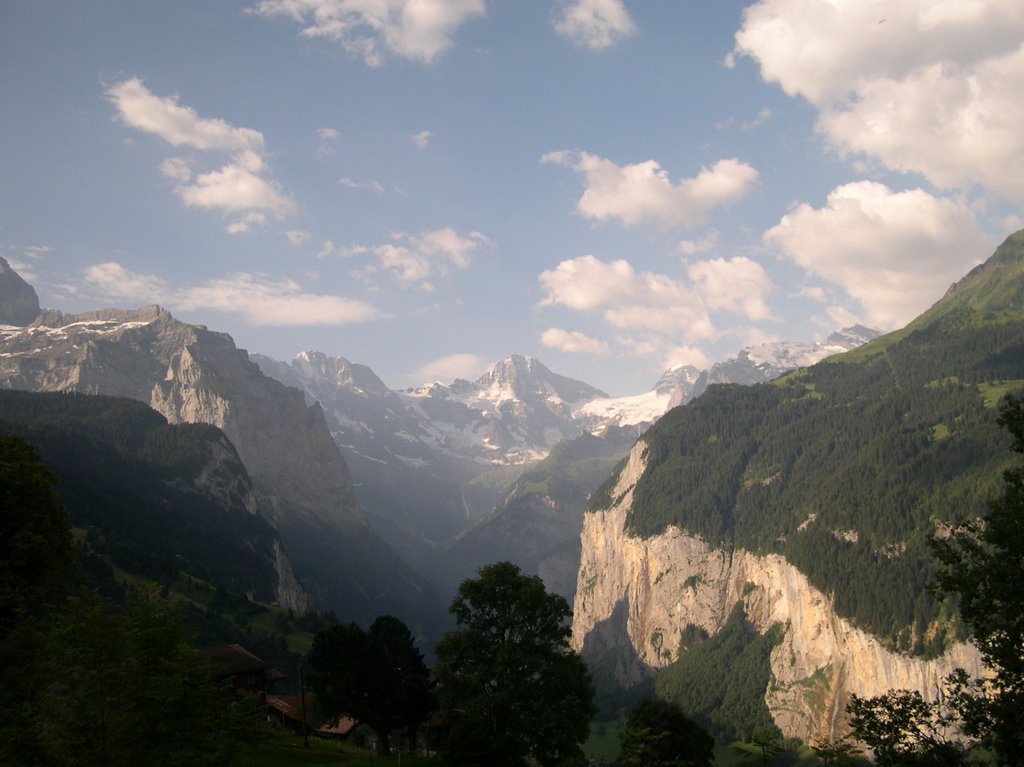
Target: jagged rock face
{"x": 635, "y": 597}
{"x": 19, "y": 304}
{"x": 190, "y": 374}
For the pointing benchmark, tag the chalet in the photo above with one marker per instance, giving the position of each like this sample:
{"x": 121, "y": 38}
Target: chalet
{"x": 238, "y": 669}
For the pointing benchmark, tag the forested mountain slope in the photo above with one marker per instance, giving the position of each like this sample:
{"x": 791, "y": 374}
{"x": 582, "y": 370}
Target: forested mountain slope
{"x": 157, "y": 499}
{"x": 842, "y": 472}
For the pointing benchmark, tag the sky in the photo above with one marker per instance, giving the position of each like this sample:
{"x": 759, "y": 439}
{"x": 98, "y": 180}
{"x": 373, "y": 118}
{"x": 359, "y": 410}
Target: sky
{"x": 614, "y": 187}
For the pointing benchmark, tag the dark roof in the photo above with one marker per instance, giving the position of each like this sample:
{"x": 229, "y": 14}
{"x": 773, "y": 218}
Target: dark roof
{"x": 233, "y": 660}
{"x": 290, "y": 705}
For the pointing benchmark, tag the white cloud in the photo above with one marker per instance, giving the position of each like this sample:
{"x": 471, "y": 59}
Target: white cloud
{"x": 419, "y": 30}
{"x": 178, "y": 125}
{"x": 374, "y": 186}
{"x": 703, "y": 245}
{"x": 642, "y": 192}
{"x": 176, "y": 169}
{"x": 259, "y": 300}
{"x": 264, "y": 302}
{"x": 446, "y": 369}
{"x": 414, "y": 260}
{"x": 738, "y": 285}
{"x": 594, "y": 24}
{"x": 677, "y": 356}
{"x": 114, "y": 281}
{"x": 235, "y": 188}
{"x": 238, "y": 187}
{"x": 297, "y": 236}
{"x": 421, "y": 139}
{"x": 246, "y": 223}
{"x": 627, "y": 300}
{"x": 894, "y": 252}
{"x": 573, "y": 341}
{"x": 922, "y": 85}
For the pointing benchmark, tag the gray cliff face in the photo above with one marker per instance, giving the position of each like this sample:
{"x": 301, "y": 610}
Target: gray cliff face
{"x": 635, "y": 597}
{"x": 19, "y": 304}
{"x": 190, "y": 374}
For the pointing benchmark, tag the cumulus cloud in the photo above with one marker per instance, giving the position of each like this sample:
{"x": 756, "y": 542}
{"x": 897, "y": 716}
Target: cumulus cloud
{"x": 894, "y": 252}
{"x": 137, "y": 107}
{"x": 297, "y": 236}
{"x": 738, "y": 285}
{"x": 421, "y": 139}
{"x": 447, "y": 369}
{"x": 626, "y": 299}
{"x": 114, "y": 281}
{"x": 922, "y": 86}
{"x": 419, "y": 30}
{"x": 643, "y": 192}
{"x": 237, "y": 187}
{"x": 234, "y": 189}
{"x": 654, "y": 314}
{"x": 573, "y": 341}
{"x": 415, "y": 259}
{"x": 594, "y": 24}
{"x": 257, "y": 299}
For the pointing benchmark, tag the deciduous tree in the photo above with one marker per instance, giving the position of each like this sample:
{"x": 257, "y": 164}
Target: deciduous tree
{"x": 509, "y": 685}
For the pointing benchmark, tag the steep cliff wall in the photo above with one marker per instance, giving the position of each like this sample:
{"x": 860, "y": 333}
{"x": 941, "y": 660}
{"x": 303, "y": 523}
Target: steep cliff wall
{"x": 635, "y": 597}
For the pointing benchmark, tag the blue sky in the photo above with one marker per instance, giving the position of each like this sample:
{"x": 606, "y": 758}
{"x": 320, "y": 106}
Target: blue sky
{"x": 426, "y": 186}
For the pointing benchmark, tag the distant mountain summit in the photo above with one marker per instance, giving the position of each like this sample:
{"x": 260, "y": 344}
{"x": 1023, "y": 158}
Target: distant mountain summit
{"x": 764, "y": 362}
{"x": 19, "y": 304}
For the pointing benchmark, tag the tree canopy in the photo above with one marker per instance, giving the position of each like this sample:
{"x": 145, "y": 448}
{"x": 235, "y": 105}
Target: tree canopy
{"x": 36, "y": 554}
{"x": 982, "y": 563}
{"x": 657, "y": 733}
{"x": 509, "y": 685}
{"x": 376, "y": 676}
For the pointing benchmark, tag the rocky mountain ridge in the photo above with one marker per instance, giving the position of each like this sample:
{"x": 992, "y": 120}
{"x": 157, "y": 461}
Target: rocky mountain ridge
{"x": 188, "y": 373}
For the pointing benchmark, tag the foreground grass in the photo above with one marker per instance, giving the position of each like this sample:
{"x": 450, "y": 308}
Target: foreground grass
{"x": 286, "y": 750}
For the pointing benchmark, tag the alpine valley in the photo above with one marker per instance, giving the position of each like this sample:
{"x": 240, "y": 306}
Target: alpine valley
{"x": 751, "y": 540}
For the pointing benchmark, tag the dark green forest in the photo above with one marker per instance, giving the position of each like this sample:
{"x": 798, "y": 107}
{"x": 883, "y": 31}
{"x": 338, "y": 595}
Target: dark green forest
{"x": 851, "y": 467}
{"x": 848, "y": 468}
{"x": 142, "y": 491}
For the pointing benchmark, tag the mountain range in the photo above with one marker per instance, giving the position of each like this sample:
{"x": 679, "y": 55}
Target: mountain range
{"x": 789, "y": 502}
{"x": 423, "y": 472}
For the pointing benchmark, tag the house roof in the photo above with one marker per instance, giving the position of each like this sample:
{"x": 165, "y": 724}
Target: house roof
{"x": 342, "y": 726}
{"x": 290, "y": 705}
{"x": 233, "y": 660}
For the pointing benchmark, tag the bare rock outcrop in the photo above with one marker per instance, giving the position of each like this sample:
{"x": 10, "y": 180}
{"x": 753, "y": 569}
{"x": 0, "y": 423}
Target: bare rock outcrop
{"x": 19, "y": 304}
{"x": 636, "y": 596}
